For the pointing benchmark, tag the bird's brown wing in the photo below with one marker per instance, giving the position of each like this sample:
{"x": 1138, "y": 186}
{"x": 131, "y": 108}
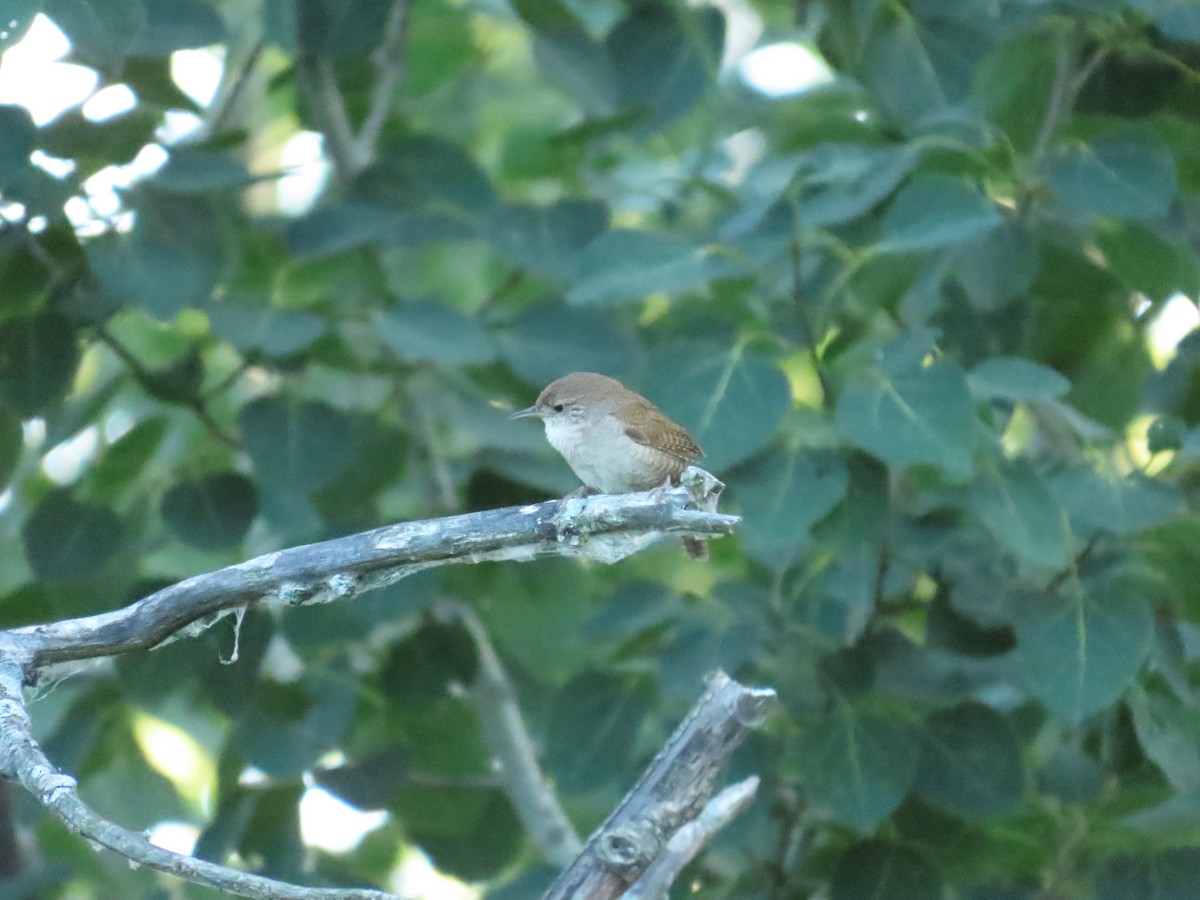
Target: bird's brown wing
{"x": 647, "y": 424}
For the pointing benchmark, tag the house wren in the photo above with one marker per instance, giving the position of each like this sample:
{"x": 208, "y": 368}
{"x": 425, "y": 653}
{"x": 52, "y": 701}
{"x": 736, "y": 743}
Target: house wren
{"x": 613, "y": 438}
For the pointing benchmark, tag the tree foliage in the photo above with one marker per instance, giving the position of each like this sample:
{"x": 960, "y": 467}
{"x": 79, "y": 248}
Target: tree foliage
{"x": 910, "y": 314}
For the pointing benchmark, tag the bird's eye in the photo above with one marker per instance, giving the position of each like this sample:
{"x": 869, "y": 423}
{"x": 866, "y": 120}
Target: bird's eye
{"x": 558, "y": 407}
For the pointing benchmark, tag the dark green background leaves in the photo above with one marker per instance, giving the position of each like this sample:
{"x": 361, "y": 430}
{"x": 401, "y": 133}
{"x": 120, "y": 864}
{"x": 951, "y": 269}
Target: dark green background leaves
{"x": 921, "y": 317}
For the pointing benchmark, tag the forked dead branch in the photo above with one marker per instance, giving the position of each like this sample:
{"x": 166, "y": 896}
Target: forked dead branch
{"x": 675, "y": 792}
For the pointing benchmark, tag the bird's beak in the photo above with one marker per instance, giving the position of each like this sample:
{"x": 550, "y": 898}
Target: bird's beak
{"x": 526, "y": 413}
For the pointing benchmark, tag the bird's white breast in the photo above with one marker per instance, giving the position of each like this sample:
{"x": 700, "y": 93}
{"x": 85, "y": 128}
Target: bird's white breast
{"x": 604, "y": 457}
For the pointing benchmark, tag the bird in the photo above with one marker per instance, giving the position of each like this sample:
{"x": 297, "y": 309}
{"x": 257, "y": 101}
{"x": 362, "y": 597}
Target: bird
{"x": 614, "y": 439}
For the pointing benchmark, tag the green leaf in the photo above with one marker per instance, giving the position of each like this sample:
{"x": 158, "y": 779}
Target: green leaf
{"x": 1079, "y": 649}
{"x": 1170, "y": 875}
{"x": 18, "y": 16}
{"x": 1147, "y": 262}
{"x": 1116, "y": 504}
{"x": 426, "y": 330}
{"x": 933, "y": 211}
{"x": 171, "y": 260}
{"x": 260, "y": 821}
{"x": 114, "y": 140}
{"x": 420, "y": 190}
{"x": 424, "y": 667}
{"x": 550, "y": 340}
{"x": 664, "y": 62}
{"x": 445, "y": 34}
{"x": 275, "y": 332}
{"x": 337, "y": 28}
{"x": 470, "y": 833}
{"x": 569, "y": 58}
{"x": 923, "y": 416}
{"x": 857, "y": 764}
{"x": 195, "y": 171}
{"x": 1129, "y": 175}
{"x": 624, "y": 264}
{"x": 597, "y": 717}
{"x": 369, "y": 782}
{"x": 1013, "y": 83}
{"x": 1170, "y": 736}
{"x": 296, "y": 445}
{"x": 693, "y": 650}
{"x": 424, "y": 171}
{"x": 730, "y": 399}
{"x": 900, "y": 75}
{"x": 1178, "y": 20}
{"x": 67, "y": 539}
{"x": 212, "y": 512}
{"x": 177, "y": 25}
{"x": 12, "y": 443}
{"x": 127, "y": 457}
{"x": 970, "y": 763}
{"x": 997, "y": 267}
{"x": 101, "y": 31}
{"x": 783, "y": 494}
{"x": 18, "y": 138}
{"x": 150, "y": 78}
{"x": 339, "y": 227}
{"x": 841, "y": 182}
{"x": 1070, "y": 775}
{"x": 1012, "y": 500}
{"x": 38, "y": 357}
{"x": 25, "y": 277}
{"x": 288, "y": 727}
{"x": 547, "y": 240}
{"x": 874, "y": 869}
{"x": 633, "y": 608}
{"x": 1016, "y": 380}
{"x": 543, "y": 15}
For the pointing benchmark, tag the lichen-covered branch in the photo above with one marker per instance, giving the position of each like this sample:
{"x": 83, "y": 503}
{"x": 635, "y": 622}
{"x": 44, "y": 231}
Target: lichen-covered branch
{"x": 603, "y": 527}
{"x": 673, "y": 791}
{"x": 681, "y": 849}
{"x": 507, "y": 738}
{"x": 23, "y": 761}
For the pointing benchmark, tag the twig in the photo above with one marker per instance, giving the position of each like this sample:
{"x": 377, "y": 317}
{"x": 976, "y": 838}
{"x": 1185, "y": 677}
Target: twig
{"x": 23, "y": 760}
{"x": 1057, "y": 106}
{"x": 145, "y": 376}
{"x": 389, "y": 59}
{"x": 689, "y": 840}
{"x": 507, "y": 738}
{"x": 352, "y": 153}
{"x": 230, "y": 92}
{"x": 442, "y": 477}
{"x": 228, "y": 381}
{"x": 673, "y": 791}
{"x": 605, "y": 527}
{"x": 323, "y": 94}
{"x": 1065, "y": 90}
{"x": 805, "y": 326}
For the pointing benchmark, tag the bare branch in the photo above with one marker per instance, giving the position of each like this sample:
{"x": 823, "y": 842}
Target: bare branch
{"x": 673, "y": 791}
{"x": 506, "y": 736}
{"x": 23, "y": 760}
{"x": 603, "y": 527}
{"x": 1067, "y": 85}
{"x": 231, "y": 88}
{"x": 689, "y": 840}
{"x": 321, "y": 90}
{"x": 389, "y": 59}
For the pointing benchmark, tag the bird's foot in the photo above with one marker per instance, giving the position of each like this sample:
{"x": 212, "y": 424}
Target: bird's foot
{"x": 580, "y": 492}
